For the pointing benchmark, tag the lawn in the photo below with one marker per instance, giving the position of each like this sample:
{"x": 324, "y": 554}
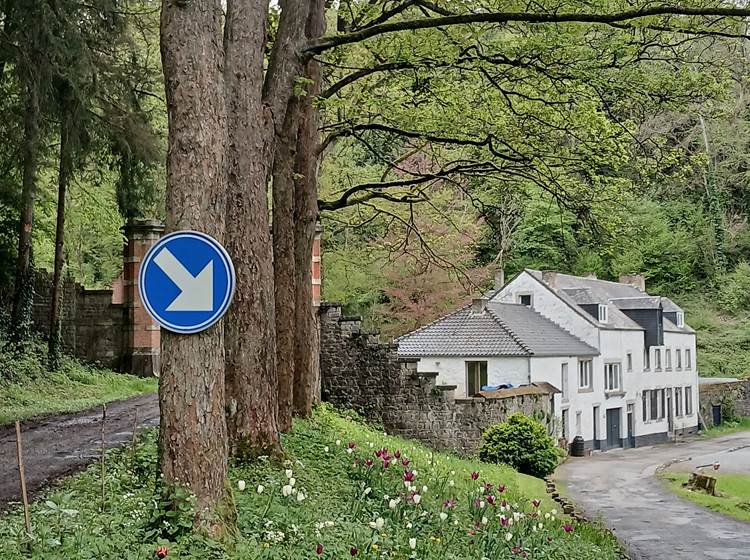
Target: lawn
{"x": 345, "y": 490}
{"x": 734, "y": 489}
{"x": 726, "y": 428}
{"x": 28, "y": 389}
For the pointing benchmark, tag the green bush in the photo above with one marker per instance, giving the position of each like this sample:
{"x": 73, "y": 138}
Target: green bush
{"x": 734, "y": 289}
{"x": 522, "y": 443}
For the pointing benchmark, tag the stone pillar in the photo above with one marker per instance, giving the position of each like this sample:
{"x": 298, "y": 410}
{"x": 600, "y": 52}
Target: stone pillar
{"x": 142, "y": 336}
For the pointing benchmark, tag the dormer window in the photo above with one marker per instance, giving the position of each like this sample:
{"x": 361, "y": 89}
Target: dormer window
{"x": 602, "y": 313}
{"x": 524, "y": 299}
{"x": 680, "y": 319}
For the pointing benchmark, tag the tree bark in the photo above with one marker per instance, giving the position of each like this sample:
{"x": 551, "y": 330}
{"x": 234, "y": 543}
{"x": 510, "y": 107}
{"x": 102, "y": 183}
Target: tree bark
{"x": 23, "y": 297}
{"x": 192, "y": 438}
{"x": 56, "y": 297}
{"x": 284, "y": 262}
{"x": 251, "y": 338}
{"x": 306, "y": 385}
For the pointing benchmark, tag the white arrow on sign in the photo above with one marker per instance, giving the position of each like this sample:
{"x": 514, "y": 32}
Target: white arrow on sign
{"x": 196, "y": 292}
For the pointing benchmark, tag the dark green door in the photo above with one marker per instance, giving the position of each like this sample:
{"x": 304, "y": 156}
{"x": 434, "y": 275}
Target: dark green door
{"x": 613, "y": 427}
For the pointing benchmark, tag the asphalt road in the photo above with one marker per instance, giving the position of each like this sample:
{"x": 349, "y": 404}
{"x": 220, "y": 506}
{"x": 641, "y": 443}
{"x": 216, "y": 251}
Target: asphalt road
{"x": 620, "y": 487}
{"x": 61, "y": 445}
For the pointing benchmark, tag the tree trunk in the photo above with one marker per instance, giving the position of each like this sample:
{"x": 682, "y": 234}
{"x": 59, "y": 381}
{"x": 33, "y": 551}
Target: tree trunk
{"x": 23, "y": 297}
{"x": 63, "y": 178}
{"x": 252, "y": 385}
{"x": 306, "y": 378}
{"x": 284, "y": 262}
{"x": 192, "y": 438}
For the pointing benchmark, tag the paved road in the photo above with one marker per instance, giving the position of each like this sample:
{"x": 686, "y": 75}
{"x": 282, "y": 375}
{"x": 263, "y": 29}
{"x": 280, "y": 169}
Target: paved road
{"x": 620, "y": 487}
{"x": 65, "y": 444}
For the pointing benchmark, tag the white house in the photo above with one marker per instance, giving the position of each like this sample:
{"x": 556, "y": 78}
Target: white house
{"x": 623, "y": 360}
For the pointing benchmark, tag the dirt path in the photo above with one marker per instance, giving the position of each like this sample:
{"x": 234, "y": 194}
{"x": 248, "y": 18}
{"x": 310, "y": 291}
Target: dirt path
{"x": 620, "y": 486}
{"x": 61, "y": 445}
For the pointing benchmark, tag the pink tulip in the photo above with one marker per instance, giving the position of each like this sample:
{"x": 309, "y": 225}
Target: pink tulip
{"x": 474, "y": 475}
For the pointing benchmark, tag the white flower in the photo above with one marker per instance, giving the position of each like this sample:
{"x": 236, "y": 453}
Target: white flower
{"x": 286, "y": 490}
{"x": 325, "y": 449}
{"x": 349, "y": 450}
{"x": 338, "y": 442}
{"x": 541, "y": 526}
{"x": 553, "y": 512}
{"x": 424, "y": 489}
{"x": 241, "y": 485}
{"x": 508, "y": 536}
{"x": 377, "y": 524}
{"x": 392, "y": 504}
{"x": 481, "y": 504}
{"x": 292, "y": 481}
{"x": 289, "y": 473}
{"x": 409, "y": 525}
{"x": 484, "y": 520}
{"x": 443, "y": 516}
{"x": 417, "y": 498}
{"x": 300, "y": 496}
{"x": 412, "y": 543}
{"x": 415, "y": 472}
{"x": 553, "y": 518}
{"x": 546, "y": 516}
{"x": 451, "y": 483}
{"x": 371, "y": 445}
{"x": 453, "y": 473}
{"x": 261, "y": 488}
{"x": 367, "y": 491}
{"x": 516, "y": 516}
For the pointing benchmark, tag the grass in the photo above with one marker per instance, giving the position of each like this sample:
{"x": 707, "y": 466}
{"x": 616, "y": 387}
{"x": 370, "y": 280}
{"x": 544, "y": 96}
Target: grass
{"x": 339, "y": 504}
{"x": 28, "y": 389}
{"x": 727, "y": 427}
{"x": 734, "y": 489}
{"x": 723, "y": 340}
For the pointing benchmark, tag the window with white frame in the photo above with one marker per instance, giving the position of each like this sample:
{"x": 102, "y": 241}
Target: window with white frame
{"x": 678, "y": 401}
{"x": 680, "y": 319}
{"x": 629, "y": 361}
{"x": 689, "y": 401}
{"x": 612, "y": 377}
{"x": 564, "y": 382}
{"x": 602, "y": 313}
{"x": 657, "y": 359}
{"x": 646, "y": 359}
{"x": 688, "y": 359}
{"x": 678, "y": 356}
{"x": 668, "y": 359}
{"x": 654, "y": 404}
{"x": 585, "y": 378}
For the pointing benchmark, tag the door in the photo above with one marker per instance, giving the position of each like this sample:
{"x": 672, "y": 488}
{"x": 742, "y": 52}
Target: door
{"x": 716, "y": 413}
{"x": 613, "y": 427}
{"x": 670, "y": 413}
{"x": 631, "y": 425}
{"x": 597, "y": 445}
{"x": 476, "y": 377}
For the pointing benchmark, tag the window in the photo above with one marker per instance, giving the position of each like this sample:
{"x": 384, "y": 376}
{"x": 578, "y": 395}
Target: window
{"x": 678, "y": 355}
{"x": 525, "y": 299}
{"x": 678, "y": 401}
{"x": 629, "y": 361}
{"x": 680, "y": 319}
{"x": 654, "y": 404}
{"x": 476, "y": 377}
{"x": 689, "y": 401}
{"x": 657, "y": 359}
{"x": 612, "y": 378}
{"x": 688, "y": 357}
{"x": 644, "y": 400}
{"x": 564, "y": 382}
{"x": 565, "y": 430}
{"x": 668, "y": 358}
{"x": 663, "y": 408}
{"x": 584, "y": 374}
{"x": 578, "y": 423}
{"x": 653, "y": 399}
{"x": 602, "y": 313}
{"x": 646, "y": 359}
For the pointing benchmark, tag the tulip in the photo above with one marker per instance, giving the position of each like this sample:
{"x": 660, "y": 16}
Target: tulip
{"x": 300, "y": 496}
{"x": 508, "y": 536}
{"x": 504, "y": 521}
{"x": 368, "y": 463}
{"x": 412, "y": 543}
{"x": 392, "y": 504}
{"x": 474, "y": 475}
{"x": 353, "y": 551}
{"x": 286, "y": 490}
{"x": 409, "y": 476}
{"x": 289, "y": 473}
{"x": 568, "y": 528}
{"x": 319, "y": 549}
{"x": 417, "y": 498}
{"x": 241, "y": 485}
{"x": 491, "y": 500}
{"x": 162, "y": 551}
{"x": 405, "y": 462}
{"x": 261, "y": 488}
{"x": 443, "y": 516}
{"x": 326, "y": 450}
{"x": 397, "y": 454}
{"x": 449, "y": 504}
{"x": 501, "y": 488}
{"x": 536, "y": 503}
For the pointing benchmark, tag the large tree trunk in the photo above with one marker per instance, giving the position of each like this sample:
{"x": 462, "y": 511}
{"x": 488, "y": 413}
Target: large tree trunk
{"x": 284, "y": 262}
{"x": 63, "y": 178}
{"x": 192, "y": 439}
{"x": 250, "y": 330}
{"x": 23, "y": 297}
{"x": 306, "y": 385}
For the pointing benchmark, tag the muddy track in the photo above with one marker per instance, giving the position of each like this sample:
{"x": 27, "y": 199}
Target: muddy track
{"x": 61, "y": 445}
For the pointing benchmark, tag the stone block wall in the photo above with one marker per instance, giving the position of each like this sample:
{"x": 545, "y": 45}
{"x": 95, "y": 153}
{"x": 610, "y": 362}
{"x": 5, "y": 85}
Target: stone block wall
{"x": 732, "y": 396}
{"x": 360, "y": 373}
{"x": 92, "y": 326}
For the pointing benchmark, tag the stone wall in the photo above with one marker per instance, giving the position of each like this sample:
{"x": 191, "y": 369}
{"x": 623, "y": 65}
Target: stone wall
{"x": 732, "y": 396}
{"x": 93, "y": 327}
{"x": 360, "y": 373}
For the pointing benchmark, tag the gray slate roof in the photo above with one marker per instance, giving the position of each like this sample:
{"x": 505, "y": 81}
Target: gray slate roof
{"x": 503, "y": 329}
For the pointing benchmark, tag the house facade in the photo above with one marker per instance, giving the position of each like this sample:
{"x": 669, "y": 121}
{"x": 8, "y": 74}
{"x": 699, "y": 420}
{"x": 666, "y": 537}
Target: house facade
{"x": 623, "y": 360}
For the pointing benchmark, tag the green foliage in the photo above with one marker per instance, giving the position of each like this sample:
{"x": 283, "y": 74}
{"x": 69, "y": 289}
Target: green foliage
{"x": 522, "y": 443}
{"x": 734, "y": 289}
{"x": 733, "y": 496}
{"x": 339, "y": 509}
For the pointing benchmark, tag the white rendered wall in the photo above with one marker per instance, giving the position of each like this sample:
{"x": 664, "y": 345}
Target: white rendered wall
{"x": 452, "y": 371}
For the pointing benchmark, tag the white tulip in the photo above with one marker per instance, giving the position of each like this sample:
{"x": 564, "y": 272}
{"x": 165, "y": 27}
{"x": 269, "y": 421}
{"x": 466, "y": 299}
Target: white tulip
{"x": 261, "y": 488}
{"x": 417, "y": 498}
{"x": 241, "y": 485}
{"x": 289, "y": 473}
{"x": 292, "y": 481}
{"x": 338, "y": 442}
{"x": 508, "y": 536}
{"x": 412, "y": 543}
{"x": 367, "y": 491}
{"x": 286, "y": 490}
{"x": 300, "y": 496}
{"x": 484, "y": 521}
{"x": 451, "y": 483}
{"x": 443, "y": 516}
{"x": 325, "y": 449}
{"x": 392, "y": 504}
{"x": 424, "y": 489}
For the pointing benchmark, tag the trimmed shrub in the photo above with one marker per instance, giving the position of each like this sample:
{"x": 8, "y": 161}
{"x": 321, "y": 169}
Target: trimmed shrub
{"x": 522, "y": 443}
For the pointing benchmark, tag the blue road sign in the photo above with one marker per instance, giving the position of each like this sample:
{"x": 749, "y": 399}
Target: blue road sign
{"x": 186, "y": 281}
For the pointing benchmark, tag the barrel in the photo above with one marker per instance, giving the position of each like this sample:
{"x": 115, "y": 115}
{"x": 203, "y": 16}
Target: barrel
{"x": 576, "y": 448}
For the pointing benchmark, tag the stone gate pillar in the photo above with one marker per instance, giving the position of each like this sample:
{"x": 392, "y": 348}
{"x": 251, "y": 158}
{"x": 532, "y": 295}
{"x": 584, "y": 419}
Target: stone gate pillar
{"x": 142, "y": 336}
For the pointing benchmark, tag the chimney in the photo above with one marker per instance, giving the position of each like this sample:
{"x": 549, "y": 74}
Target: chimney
{"x": 499, "y": 278}
{"x": 591, "y": 275}
{"x": 549, "y": 277}
{"x": 478, "y": 305}
{"x": 636, "y": 280}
